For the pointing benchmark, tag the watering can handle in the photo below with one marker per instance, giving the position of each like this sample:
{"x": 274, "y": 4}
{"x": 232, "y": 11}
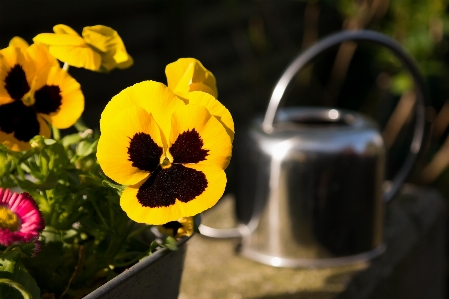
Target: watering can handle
{"x": 305, "y": 57}
{"x": 362, "y": 35}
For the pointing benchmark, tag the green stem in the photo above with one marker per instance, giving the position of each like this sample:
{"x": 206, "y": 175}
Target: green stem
{"x": 9, "y": 248}
{"x": 56, "y": 134}
{"x": 19, "y": 170}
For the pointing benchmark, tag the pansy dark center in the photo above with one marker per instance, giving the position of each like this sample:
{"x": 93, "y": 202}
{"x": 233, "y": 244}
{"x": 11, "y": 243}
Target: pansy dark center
{"x": 20, "y": 116}
{"x": 143, "y": 152}
{"x": 169, "y": 181}
{"x": 16, "y": 82}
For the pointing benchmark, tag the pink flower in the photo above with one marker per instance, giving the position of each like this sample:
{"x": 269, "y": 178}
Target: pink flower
{"x": 20, "y": 218}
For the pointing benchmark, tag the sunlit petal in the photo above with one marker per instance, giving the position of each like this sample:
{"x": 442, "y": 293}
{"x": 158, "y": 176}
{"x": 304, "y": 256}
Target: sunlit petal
{"x": 41, "y": 57}
{"x": 154, "y": 97}
{"x": 54, "y": 39}
{"x": 200, "y": 132}
{"x": 11, "y": 57}
{"x": 188, "y": 74}
{"x": 114, "y": 147}
{"x": 64, "y": 29}
{"x": 18, "y": 42}
{"x": 215, "y": 108}
{"x": 111, "y": 47}
{"x": 77, "y": 56}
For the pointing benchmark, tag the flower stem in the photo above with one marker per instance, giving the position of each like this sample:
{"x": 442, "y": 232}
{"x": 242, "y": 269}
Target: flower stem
{"x": 9, "y": 248}
{"x": 65, "y": 67}
{"x": 56, "y": 134}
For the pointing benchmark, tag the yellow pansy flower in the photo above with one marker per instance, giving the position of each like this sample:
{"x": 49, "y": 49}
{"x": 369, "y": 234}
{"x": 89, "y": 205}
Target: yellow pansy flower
{"x": 99, "y": 49}
{"x": 183, "y": 227}
{"x": 188, "y": 74}
{"x": 34, "y": 91}
{"x": 171, "y": 154}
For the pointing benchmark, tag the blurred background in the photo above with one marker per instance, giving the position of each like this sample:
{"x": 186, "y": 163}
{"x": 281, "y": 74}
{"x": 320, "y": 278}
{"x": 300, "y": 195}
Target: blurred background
{"x": 248, "y": 44}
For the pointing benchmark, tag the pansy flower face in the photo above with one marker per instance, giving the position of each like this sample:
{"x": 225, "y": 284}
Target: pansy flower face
{"x": 188, "y": 74}
{"x": 172, "y": 155}
{"x": 99, "y": 49}
{"x": 34, "y": 91}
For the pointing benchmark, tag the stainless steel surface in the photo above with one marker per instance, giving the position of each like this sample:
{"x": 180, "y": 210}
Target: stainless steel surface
{"x": 315, "y": 186}
{"x": 422, "y": 97}
{"x": 311, "y": 179}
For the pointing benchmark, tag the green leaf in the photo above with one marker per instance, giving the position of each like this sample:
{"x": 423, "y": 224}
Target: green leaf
{"x": 119, "y": 188}
{"x": 86, "y": 148}
{"x": 155, "y": 245}
{"x": 171, "y": 243}
{"x": 70, "y": 139}
{"x": 49, "y": 141}
{"x": 4, "y": 167}
{"x": 7, "y": 287}
{"x": 15, "y": 281}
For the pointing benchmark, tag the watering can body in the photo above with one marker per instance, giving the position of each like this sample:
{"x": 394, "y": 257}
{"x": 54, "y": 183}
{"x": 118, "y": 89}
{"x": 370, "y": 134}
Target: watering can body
{"x": 311, "y": 180}
{"x": 312, "y": 188}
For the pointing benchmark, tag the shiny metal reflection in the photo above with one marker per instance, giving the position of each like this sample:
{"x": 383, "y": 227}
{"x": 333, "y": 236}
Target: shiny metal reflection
{"x": 312, "y": 189}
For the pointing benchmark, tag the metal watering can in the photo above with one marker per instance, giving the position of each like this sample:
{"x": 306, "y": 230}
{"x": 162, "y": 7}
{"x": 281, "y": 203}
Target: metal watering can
{"x": 312, "y": 191}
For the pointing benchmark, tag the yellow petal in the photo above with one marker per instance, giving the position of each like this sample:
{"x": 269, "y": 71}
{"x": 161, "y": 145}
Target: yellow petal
{"x": 77, "y": 56}
{"x": 111, "y": 47}
{"x": 18, "y": 42}
{"x": 41, "y": 57}
{"x": 156, "y": 98}
{"x": 53, "y": 39}
{"x": 197, "y": 137}
{"x": 187, "y": 228}
{"x": 215, "y": 108}
{"x": 72, "y": 98}
{"x": 98, "y": 37}
{"x": 64, "y": 29}
{"x": 188, "y": 74}
{"x": 117, "y": 133}
{"x": 216, "y": 182}
{"x": 9, "y": 57}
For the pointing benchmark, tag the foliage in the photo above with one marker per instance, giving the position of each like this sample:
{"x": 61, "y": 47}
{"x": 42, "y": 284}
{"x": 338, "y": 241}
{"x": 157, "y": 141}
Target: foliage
{"x": 88, "y": 238}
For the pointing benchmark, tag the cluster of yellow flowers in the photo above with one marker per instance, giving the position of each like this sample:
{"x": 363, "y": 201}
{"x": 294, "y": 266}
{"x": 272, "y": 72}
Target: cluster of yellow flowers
{"x": 35, "y": 91}
{"x": 169, "y": 144}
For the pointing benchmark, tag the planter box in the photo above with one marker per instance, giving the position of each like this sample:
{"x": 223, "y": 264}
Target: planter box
{"x": 156, "y": 276}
